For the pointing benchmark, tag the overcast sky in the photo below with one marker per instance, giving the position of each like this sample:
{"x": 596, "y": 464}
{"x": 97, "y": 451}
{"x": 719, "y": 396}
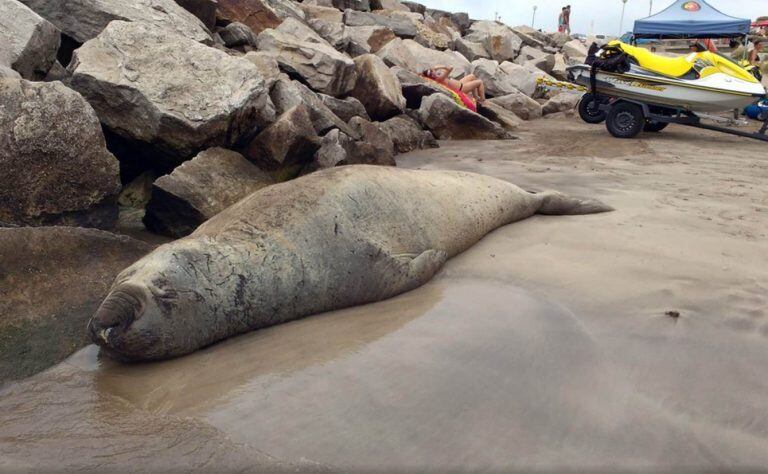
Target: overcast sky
{"x": 605, "y": 14}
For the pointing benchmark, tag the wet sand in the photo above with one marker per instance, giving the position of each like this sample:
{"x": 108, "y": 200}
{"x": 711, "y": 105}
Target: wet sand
{"x": 544, "y": 347}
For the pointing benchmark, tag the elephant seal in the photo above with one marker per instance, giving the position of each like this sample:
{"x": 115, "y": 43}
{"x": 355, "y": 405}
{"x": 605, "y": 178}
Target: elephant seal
{"x": 332, "y": 239}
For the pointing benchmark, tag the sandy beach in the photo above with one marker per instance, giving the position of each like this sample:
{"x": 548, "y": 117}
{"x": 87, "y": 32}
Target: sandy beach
{"x": 630, "y": 341}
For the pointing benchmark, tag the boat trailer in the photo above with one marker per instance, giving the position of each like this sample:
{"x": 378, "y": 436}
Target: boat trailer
{"x": 626, "y": 118}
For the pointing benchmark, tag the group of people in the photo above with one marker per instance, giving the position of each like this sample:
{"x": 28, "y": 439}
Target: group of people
{"x": 564, "y": 21}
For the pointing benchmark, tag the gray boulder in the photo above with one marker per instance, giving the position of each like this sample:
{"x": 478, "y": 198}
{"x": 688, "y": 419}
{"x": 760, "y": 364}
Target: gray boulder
{"x": 332, "y": 32}
{"x": 237, "y": 34}
{"x": 318, "y": 64}
{"x": 345, "y": 109}
{"x": 318, "y": 12}
{"x": 300, "y": 31}
{"x": 499, "y": 40}
{"x": 401, "y": 26}
{"x": 449, "y": 121}
{"x": 267, "y": 66}
{"x": 204, "y": 10}
{"x": 339, "y": 149}
{"x": 575, "y": 52}
{"x": 389, "y": 5}
{"x": 407, "y": 135}
{"x": 410, "y": 55}
{"x": 170, "y": 92}
{"x": 470, "y": 49}
{"x": 520, "y": 104}
{"x": 28, "y": 43}
{"x": 562, "y": 102}
{"x": 415, "y": 7}
{"x": 506, "y": 118}
{"x": 358, "y": 5}
{"x": 287, "y": 94}
{"x": 530, "y": 37}
{"x": 54, "y": 164}
{"x": 378, "y": 89}
{"x": 557, "y": 40}
{"x": 199, "y": 189}
{"x": 560, "y": 68}
{"x": 367, "y": 39}
{"x": 257, "y": 14}
{"x": 497, "y": 81}
{"x": 7, "y": 72}
{"x": 524, "y": 78}
{"x": 85, "y": 19}
{"x": 286, "y": 145}
{"x": 53, "y": 280}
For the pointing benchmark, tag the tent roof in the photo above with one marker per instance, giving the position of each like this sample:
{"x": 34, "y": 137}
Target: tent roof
{"x": 691, "y": 19}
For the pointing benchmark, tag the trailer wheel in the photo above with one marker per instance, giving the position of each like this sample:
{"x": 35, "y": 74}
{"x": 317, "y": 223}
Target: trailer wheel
{"x": 625, "y": 120}
{"x": 654, "y": 126}
{"x": 588, "y": 113}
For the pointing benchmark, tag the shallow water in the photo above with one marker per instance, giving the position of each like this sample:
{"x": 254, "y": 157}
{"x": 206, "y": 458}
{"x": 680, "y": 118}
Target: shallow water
{"x": 471, "y": 374}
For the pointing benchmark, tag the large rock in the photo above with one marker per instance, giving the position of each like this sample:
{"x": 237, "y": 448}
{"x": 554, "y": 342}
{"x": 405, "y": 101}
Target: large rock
{"x": 557, "y": 40}
{"x": 562, "y": 102}
{"x": 85, "y": 19}
{"x": 575, "y": 52}
{"x": 338, "y": 148}
{"x": 287, "y": 94}
{"x": 401, "y": 26}
{"x": 388, "y": 5}
{"x": 199, "y": 189}
{"x": 367, "y": 39}
{"x": 346, "y": 108}
{"x": 410, "y": 55}
{"x": 537, "y": 58}
{"x": 497, "y": 81}
{"x": 470, "y": 49}
{"x": 560, "y": 68}
{"x": 204, "y": 10}
{"x": 332, "y": 32}
{"x": 52, "y": 281}
{"x": 54, "y": 164}
{"x": 286, "y": 145}
{"x": 377, "y": 88}
{"x": 520, "y": 104}
{"x": 415, "y": 7}
{"x": 499, "y": 40}
{"x": 259, "y": 15}
{"x": 449, "y": 121}
{"x": 359, "y": 5}
{"x": 237, "y": 34}
{"x": 506, "y": 118}
{"x": 300, "y": 31}
{"x": 170, "y": 92}
{"x": 28, "y": 43}
{"x": 531, "y": 37}
{"x": 319, "y": 65}
{"x": 7, "y": 72}
{"x": 407, "y": 135}
{"x": 317, "y": 12}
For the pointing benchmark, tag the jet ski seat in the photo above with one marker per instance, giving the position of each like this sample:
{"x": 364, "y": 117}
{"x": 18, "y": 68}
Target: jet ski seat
{"x": 671, "y": 67}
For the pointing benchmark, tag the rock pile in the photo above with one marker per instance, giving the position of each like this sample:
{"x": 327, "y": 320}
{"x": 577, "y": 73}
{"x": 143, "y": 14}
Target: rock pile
{"x": 182, "y": 107}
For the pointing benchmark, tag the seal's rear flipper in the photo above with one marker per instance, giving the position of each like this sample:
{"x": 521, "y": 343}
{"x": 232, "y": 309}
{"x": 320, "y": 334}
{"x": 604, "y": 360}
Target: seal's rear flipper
{"x": 557, "y": 204}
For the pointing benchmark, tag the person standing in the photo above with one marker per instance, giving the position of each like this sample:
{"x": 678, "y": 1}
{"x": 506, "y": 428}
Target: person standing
{"x": 561, "y": 21}
{"x": 567, "y": 19}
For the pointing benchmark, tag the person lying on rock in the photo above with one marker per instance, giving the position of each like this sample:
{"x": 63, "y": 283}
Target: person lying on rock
{"x": 469, "y": 84}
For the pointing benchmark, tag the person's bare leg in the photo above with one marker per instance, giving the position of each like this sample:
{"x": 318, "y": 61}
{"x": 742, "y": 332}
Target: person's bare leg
{"x": 475, "y": 89}
{"x": 468, "y": 78}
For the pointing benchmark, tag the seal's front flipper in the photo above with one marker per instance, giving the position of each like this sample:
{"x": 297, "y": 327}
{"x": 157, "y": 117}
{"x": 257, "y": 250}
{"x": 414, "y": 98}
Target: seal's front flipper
{"x": 422, "y": 268}
{"x": 558, "y": 204}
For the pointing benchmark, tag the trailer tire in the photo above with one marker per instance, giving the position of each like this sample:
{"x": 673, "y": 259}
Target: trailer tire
{"x": 625, "y": 120}
{"x": 654, "y": 126}
{"x": 590, "y": 114}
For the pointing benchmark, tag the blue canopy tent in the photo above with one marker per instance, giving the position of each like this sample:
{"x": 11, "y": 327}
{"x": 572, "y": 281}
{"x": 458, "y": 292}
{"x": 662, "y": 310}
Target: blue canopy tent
{"x": 691, "y": 19}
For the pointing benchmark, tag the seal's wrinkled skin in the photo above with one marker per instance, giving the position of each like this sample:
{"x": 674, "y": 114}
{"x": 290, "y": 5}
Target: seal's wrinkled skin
{"x": 333, "y": 239}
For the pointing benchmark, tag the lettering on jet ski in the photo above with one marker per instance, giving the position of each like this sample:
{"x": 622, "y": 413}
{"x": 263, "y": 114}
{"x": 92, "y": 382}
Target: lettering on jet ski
{"x": 631, "y": 83}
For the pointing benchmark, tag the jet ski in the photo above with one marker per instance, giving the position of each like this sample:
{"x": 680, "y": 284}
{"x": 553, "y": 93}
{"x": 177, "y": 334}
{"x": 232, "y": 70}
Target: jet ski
{"x": 696, "y": 82}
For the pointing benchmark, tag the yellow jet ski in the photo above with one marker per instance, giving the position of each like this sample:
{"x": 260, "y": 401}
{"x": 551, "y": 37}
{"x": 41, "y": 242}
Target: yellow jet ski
{"x": 698, "y": 82}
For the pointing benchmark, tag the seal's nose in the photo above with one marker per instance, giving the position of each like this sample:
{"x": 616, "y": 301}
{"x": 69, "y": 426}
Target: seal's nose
{"x": 116, "y": 313}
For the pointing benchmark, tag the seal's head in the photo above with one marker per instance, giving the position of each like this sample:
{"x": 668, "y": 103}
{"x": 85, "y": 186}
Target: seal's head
{"x": 155, "y": 309}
